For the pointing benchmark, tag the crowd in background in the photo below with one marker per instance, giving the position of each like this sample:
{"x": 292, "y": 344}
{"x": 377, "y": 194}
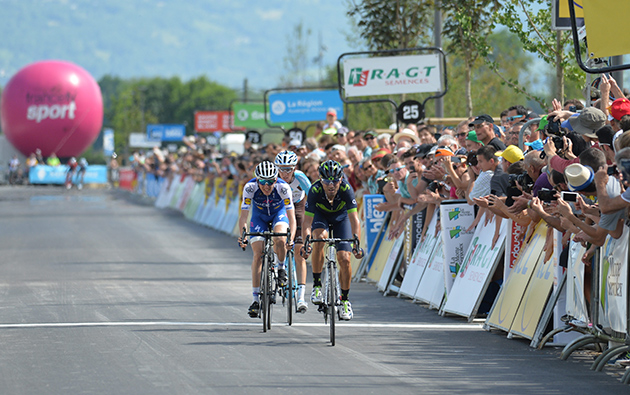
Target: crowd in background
{"x": 572, "y": 148}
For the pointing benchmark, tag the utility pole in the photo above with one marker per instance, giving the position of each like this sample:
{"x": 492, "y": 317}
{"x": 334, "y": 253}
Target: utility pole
{"x": 245, "y": 90}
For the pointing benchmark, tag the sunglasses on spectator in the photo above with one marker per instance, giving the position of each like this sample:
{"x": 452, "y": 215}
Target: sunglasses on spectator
{"x": 328, "y": 182}
{"x": 368, "y": 138}
{"x": 267, "y": 182}
{"x": 461, "y": 134}
{"x": 367, "y": 167}
{"x": 514, "y": 117}
{"x": 285, "y": 169}
{"x": 394, "y": 170}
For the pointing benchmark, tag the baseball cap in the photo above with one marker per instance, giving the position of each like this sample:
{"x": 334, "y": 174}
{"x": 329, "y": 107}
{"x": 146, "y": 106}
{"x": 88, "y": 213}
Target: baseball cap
{"x": 342, "y": 130}
{"x": 370, "y": 133}
{"x": 619, "y": 108}
{"x": 512, "y": 154}
{"x": 543, "y": 122}
{"x": 472, "y": 136}
{"x": 331, "y": 111}
{"x": 481, "y": 119}
{"x": 443, "y": 151}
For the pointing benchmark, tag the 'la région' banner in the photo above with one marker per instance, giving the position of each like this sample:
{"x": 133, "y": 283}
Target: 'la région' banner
{"x": 392, "y": 75}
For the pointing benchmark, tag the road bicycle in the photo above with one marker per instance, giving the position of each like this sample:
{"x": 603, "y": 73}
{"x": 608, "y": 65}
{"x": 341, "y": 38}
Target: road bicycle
{"x": 269, "y": 284}
{"x": 290, "y": 289}
{"x": 331, "y": 289}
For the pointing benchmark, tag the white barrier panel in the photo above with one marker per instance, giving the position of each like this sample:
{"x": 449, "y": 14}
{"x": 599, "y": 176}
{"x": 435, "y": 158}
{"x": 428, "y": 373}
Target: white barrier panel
{"x": 456, "y": 217}
{"x": 613, "y": 280}
{"x": 195, "y": 199}
{"x": 419, "y": 260}
{"x": 389, "y": 264}
{"x": 178, "y": 189}
{"x": 202, "y": 205}
{"x": 160, "y": 201}
{"x": 560, "y": 308}
{"x": 576, "y": 302}
{"x": 217, "y": 214}
{"x": 207, "y": 211}
{"x": 189, "y": 184}
{"x": 476, "y": 272}
{"x": 431, "y": 288}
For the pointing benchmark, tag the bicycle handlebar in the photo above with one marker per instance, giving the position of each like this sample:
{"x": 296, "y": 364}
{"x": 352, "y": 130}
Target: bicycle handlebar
{"x": 266, "y": 234}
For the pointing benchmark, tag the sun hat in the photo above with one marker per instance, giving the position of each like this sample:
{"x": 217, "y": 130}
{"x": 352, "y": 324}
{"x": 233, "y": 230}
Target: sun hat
{"x": 589, "y": 120}
{"x": 578, "y": 176}
{"x": 406, "y": 133}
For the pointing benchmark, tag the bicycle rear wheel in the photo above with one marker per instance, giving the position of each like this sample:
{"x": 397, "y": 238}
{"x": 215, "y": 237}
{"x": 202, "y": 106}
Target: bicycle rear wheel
{"x": 289, "y": 292}
{"x": 264, "y": 291}
{"x": 332, "y": 299}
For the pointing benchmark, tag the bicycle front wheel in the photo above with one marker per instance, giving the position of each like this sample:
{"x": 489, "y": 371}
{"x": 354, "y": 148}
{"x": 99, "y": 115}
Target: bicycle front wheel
{"x": 271, "y": 291}
{"x": 289, "y": 291}
{"x": 332, "y": 299}
{"x": 264, "y": 291}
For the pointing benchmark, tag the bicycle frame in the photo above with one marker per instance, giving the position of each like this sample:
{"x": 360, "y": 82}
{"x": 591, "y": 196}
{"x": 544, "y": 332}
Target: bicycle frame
{"x": 268, "y": 278}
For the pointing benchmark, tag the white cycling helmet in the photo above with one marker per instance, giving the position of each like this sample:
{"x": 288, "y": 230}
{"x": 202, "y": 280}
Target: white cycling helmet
{"x": 286, "y": 158}
{"x": 266, "y": 171}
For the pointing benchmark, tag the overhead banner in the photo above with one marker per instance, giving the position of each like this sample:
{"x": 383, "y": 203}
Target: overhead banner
{"x": 456, "y": 217}
{"x": 166, "y": 132}
{"x": 392, "y": 75}
{"x": 252, "y": 116}
{"x": 476, "y": 271}
{"x": 614, "y": 281}
{"x": 304, "y": 106}
{"x": 213, "y": 121}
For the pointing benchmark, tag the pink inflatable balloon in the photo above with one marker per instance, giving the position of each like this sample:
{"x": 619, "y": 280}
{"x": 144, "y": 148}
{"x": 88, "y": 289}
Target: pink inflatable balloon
{"x": 55, "y": 106}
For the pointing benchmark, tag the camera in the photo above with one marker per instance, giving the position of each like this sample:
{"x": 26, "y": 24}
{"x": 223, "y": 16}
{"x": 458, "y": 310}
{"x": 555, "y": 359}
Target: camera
{"x": 435, "y": 185}
{"x": 547, "y": 195}
{"x": 612, "y": 170}
{"x": 569, "y": 196}
{"x": 471, "y": 159}
{"x": 523, "y": 179}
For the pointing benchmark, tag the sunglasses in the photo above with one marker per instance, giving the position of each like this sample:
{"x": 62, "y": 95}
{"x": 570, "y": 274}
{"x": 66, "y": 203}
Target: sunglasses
{"x": 285, "y": 169}
{"x": 398, "y": 169}
{"x": 514, "y": 117}
{"x": 267, "y": 182}
{"x": 462, "y": 135}
{"x": 368, "y": 138}
{"x": 328, "y": 182}
{"x": 367, "y": 167}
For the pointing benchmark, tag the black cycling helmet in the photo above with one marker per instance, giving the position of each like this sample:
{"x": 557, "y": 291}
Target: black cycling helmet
{"x": 330, "y": 170}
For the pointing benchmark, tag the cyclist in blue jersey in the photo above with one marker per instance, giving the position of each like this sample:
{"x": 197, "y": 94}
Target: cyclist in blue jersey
{"x": 271, "y": 205}
{"x": 300, "y": 185}
{"x": 331, "y": 202}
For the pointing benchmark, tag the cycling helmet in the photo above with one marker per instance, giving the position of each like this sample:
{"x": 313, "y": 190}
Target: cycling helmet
{"x": 330, "y": 170}
{"x": 286, "y": 158}
{"x": 266, "y": 171}
{"x": 72, "y": 160}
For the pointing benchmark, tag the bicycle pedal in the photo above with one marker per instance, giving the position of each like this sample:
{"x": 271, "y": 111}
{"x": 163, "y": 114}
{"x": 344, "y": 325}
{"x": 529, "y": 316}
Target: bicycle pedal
{"x": 321, "y": 308}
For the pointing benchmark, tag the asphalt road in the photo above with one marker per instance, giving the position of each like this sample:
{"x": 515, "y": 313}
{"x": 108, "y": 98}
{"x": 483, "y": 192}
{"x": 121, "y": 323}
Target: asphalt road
{"x": 100, "y": 292}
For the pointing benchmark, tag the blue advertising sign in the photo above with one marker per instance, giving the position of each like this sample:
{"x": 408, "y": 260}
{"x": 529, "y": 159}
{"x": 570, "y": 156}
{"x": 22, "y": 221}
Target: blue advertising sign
{"x": 166, "y": 132}
{"x": 42, "y": 174}
{"x": 304, "y": 106}
{"x": 108, "y": 142}
{"x": 374, "y": 219}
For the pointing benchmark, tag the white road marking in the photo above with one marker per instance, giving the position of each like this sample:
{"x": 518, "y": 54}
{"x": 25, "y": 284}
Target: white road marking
{"x": 236, "y": 324}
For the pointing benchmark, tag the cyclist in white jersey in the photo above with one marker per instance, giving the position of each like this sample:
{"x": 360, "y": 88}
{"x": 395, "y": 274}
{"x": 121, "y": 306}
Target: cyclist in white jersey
{"x": 300, "y": 185}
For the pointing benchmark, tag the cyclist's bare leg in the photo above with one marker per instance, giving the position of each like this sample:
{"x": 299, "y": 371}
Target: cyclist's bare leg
{"x": 257, "y": 247}
{"x": 300, "y": 266}
{"x": 279, "y": 243}
{"x": 318, "y": 250}
{"x": 345, "y": 269}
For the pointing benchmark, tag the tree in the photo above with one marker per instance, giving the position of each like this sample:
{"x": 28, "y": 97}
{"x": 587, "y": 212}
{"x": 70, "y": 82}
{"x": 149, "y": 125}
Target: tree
{"x": 297, "y": 60}
{"x": 467, "y": 23}
{"x": 393, "y": 24}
